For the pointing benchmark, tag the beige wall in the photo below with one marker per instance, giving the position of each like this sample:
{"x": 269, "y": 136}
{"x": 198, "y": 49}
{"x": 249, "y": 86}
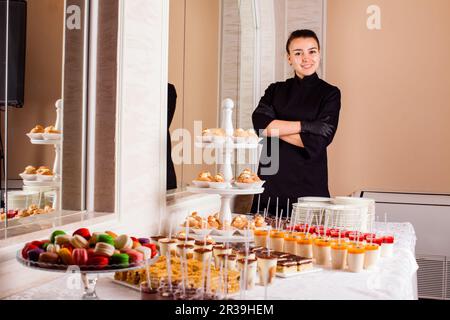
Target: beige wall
{"x": 43, "y": 72}
{"x": 394, "y": 132}
{"x": 194, "y": 69}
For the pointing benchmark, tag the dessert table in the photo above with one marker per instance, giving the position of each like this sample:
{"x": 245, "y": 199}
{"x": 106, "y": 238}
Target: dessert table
{"x": 393, "y": 278}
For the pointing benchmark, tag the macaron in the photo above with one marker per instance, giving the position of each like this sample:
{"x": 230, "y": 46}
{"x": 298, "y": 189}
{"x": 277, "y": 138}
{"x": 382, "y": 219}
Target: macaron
{"x": 144, "y": 240}
{"x": 78, "y": 241}
{"x": 48, "y": 258}
{"x": 147, "y": 252}
{"x": 37, "y": 243}
{"x": 28, "y": 247}
{"x": 104, "y": 249}
{"x": 112, "y": 234}
{"x": 62, "y": 239}
{"x": 136, "y": 244}
{"x": 83, "y": 232}
{"x": 123, "y": 242}
{"x": 94, "y": 238}
{"x": 105, "y": 238}
{"x": 54, "y": 234}
{"x": 66, "y": 256}
{"x": 80, "y": 256}
{"x": 33, "y": 255}
{"x": 121, "y": 259}
{"x": 135, "y": 256}
{"x": 97, "y": 262}
{"x": 53, "y": 248}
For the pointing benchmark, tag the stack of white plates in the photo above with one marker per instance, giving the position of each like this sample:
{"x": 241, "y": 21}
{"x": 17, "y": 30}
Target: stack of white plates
{"x": 309, "y": 212}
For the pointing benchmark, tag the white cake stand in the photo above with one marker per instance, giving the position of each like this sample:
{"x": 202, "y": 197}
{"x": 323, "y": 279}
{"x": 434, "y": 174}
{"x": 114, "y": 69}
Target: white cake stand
{"x": 226, "y": 149}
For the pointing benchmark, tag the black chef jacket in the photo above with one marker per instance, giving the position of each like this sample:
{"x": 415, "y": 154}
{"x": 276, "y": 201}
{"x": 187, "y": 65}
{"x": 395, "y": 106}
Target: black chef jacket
{"x": 171, "y": 105}
{"x": 302, "y": 171}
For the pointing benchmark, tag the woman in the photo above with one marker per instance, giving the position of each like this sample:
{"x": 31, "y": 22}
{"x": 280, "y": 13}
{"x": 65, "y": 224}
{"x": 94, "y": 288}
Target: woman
{"x": 303, "y": 113}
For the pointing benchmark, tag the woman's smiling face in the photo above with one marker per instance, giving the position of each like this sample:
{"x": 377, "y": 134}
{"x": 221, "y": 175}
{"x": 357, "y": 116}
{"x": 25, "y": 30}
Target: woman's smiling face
{"x": 304, "y": 56}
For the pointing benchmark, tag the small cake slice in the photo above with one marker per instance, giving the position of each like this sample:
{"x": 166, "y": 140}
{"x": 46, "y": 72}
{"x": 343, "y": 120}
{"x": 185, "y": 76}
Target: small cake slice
{"x": 287, "y": 267}
{"x": 304, "y": 264}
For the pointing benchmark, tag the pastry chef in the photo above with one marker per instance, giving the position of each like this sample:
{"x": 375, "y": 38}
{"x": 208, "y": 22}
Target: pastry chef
{"x": 303, "y": 113}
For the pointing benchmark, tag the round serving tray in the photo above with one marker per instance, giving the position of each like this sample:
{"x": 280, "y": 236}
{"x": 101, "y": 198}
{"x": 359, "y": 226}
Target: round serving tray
{"x": 84, "y": 269}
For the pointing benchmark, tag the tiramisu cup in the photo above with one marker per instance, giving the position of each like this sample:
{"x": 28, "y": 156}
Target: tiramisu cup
{"x": 323, "y": 251}
{"x": 168, "y": 247}
{"x": 305, "y": 247}
{"x": 242, "y": 254}
{"x": 228, "y": 261}
{"x": 290, "y": 244}
{"x": 371, "y": 256}
{"x": 267, "y": 268}
{"x": 203, "y": 244}
{"x": 217, "y": 250}
{"x": 338, "y": 255}
{"x": 203, "y": 255}
{"x": 184, "y": 240}
{"x": 250, "y": 273}
{"x": 261, "y": 238}
{"x": 277, "y": 240}
{"x": 355, "y": 258}
{"x": 185, "y": 251}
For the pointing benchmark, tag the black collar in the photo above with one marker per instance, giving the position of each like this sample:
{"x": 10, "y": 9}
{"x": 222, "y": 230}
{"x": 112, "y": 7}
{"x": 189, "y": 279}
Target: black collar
{"x": 307, "y": 79}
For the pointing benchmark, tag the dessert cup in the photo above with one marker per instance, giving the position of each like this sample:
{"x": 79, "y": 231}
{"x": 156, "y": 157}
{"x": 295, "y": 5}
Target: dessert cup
{"x": 305, "y": 247}
{"x": 323, "y": 251}
{"x": 168, "y": 247}
{"x": 267, "y": 268}
{"x": 371, "y": 256}
{"x": 261, "y": 238}
{"x": 248, "y": 273}
{"x": 338, "y": 255}
{"x": 355, "y": 258}
{"x": 277, "y": 240}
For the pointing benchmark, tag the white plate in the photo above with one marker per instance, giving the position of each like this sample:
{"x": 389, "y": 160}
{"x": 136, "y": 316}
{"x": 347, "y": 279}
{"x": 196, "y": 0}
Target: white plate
{"x": 28, "y": 177}
{"x": 219, "y": 139}
{"x": 51, "y": 136}
{"x": 40, "y": 183}
{"x": 241, "y": 185}
{"x": 201, "y": 232}
{"x": 224, "y": 233}
{"x": 218, "y": 185}
{"x": 295, "y": 274}
{"x": 200, "y": 184}
{"x": 258, "y": 184}
{"x": 205, "y": 139}
{"x": 43, "y": 178}
{"x": 35, "y": 136}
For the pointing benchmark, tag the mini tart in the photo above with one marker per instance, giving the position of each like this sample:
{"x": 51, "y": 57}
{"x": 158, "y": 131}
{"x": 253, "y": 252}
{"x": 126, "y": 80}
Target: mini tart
{"x": 29, "y": 170}
{"x": 205, "y": 176}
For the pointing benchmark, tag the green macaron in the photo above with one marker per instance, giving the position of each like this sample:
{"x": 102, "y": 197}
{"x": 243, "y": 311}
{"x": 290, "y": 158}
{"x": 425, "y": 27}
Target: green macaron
{"x": 121, "y": 259}
{"x": 106, "y": 239}
{"x": 45, "y": 245}
{"x": 54, "y": 234}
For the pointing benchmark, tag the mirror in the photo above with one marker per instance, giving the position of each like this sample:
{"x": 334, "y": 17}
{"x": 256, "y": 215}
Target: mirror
{"x": 222, "y": 49}
{"x": 58, "y": 141}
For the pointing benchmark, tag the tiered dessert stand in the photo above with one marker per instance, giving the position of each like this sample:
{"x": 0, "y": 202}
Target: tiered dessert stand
{"x": 57, "y": 163}
{"x": 226, "y": 150}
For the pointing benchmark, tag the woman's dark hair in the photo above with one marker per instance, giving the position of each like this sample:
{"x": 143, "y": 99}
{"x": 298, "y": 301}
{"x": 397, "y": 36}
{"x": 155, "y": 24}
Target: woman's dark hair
{"x": 304, "y": 33}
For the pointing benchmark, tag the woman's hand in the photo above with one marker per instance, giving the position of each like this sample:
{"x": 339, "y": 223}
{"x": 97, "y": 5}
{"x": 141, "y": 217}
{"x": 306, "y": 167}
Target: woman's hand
{"x": 318, "y": 127}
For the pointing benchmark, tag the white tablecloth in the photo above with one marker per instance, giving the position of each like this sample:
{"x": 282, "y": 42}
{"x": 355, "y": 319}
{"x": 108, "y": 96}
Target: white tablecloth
{"x": 392, "y": 278}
